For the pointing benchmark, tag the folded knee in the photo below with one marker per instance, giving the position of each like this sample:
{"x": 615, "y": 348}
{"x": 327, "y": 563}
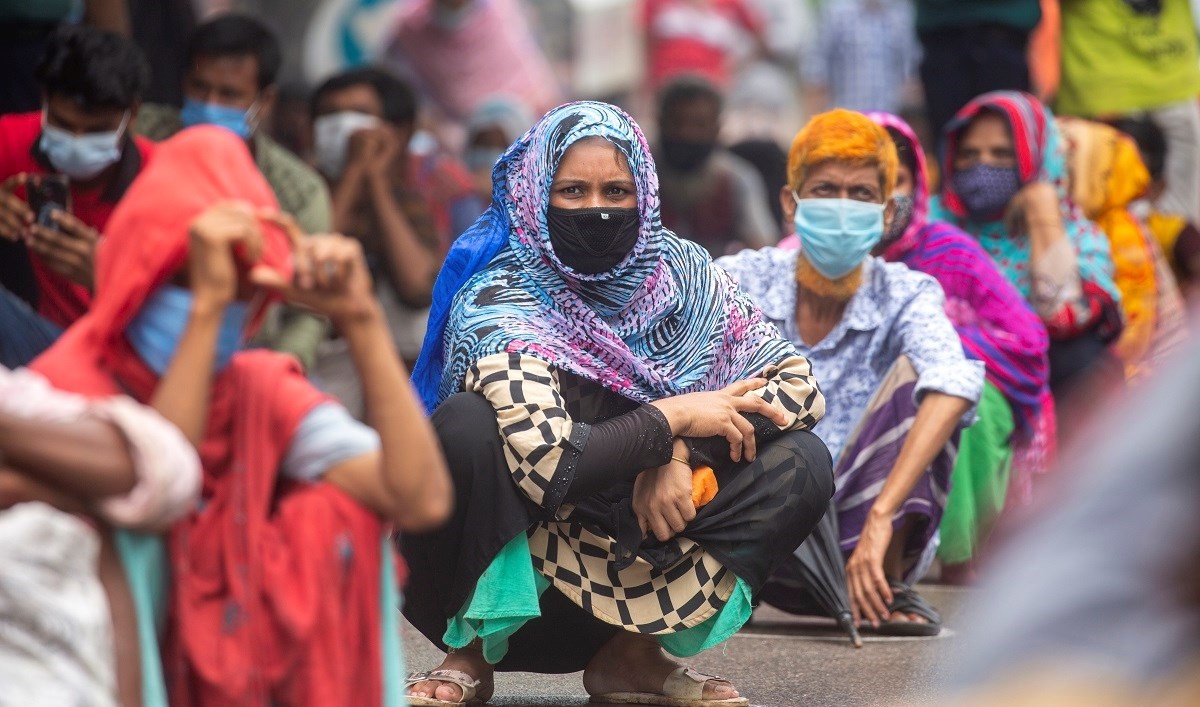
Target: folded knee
{"x": 814, "y": 465}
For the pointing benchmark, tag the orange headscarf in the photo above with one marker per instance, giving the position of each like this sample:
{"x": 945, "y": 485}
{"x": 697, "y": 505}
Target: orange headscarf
{"x": 1106, "y": 175}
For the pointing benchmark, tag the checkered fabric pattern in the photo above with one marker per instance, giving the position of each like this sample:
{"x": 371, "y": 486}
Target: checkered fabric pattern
{"x": 536, "y": 408}
{"x": 640, "y": 597}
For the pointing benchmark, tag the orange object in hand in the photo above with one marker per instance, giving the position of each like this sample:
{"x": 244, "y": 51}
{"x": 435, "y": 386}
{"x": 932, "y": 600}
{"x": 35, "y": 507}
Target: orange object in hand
{"x": 704, "y": 486}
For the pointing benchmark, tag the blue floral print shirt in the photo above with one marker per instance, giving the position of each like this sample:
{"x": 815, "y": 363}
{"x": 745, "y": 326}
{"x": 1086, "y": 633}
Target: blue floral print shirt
{"x": 896, "y": 312}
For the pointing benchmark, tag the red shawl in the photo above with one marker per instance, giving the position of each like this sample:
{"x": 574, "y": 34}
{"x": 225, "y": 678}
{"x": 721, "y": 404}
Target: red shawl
{"x": 275, "y": 585}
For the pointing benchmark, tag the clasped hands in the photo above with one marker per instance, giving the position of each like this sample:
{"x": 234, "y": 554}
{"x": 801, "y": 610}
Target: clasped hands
{"x": 330, "y": 274}
{"x": 662, "y": 497}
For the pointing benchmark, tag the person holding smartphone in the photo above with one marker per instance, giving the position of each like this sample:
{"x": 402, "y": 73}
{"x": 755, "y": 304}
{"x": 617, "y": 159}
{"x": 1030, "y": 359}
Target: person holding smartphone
{"x": 92, "y": 84}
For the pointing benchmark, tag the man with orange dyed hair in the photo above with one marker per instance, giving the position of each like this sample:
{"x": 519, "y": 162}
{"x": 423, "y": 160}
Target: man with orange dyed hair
{"x": 897, "y": 384}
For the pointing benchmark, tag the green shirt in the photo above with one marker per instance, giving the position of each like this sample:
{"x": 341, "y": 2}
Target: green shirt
{"x": 38, "y": 10}
{"x": 1117, "y": 61}
{"x": 943, "y": 14}
{"x": 301, "y": 193}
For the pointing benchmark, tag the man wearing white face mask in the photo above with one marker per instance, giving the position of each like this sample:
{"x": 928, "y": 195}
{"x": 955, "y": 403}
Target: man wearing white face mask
{"x": 92, "y": 83}
{"x": 897, "y": 384}
{"x": 403, "y": 205}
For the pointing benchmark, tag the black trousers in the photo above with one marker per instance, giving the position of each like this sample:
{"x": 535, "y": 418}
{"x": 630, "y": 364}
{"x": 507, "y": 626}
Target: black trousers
{"x": 960, "y": 63}
{"x": 761, "y": 514}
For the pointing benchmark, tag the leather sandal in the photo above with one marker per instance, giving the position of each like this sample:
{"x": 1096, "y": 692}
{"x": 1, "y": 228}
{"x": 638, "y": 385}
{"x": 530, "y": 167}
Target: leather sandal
{"x": 466, "y": 683}
{"x": 684, "y": 687}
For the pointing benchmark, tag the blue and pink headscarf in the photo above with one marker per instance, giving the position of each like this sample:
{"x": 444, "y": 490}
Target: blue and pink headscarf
{"x": 665, "y": 321}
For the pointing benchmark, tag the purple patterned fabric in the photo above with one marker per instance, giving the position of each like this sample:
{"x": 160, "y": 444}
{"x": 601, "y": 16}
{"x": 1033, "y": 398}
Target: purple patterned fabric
{"x": 663, "y": 322}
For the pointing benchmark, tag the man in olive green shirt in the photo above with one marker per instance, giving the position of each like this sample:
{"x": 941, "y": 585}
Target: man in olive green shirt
{"x": 233, "y": 62}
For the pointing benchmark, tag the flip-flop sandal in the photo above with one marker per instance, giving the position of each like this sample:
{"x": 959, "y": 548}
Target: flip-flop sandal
{"x": 906, "y": 600}
{"x": 684, "y": 687}
{"x": 466, "y": 683}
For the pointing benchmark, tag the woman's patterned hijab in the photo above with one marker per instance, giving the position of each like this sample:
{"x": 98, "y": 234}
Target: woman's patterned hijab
{"x": 662, "y": 322}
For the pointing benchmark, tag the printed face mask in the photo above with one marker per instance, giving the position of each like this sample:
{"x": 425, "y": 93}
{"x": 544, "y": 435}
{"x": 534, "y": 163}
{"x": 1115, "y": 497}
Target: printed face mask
{"x": 331, "y": 139}
{"x": 900, "y": 219}
{"x": 985, "y": 190}
{"x": 836, "y": 234}
{"x": 157, "y": 329}
{"x": 593, "y": 240}
{"x": 200, "y": 113}
{"x": 81, "y": 157}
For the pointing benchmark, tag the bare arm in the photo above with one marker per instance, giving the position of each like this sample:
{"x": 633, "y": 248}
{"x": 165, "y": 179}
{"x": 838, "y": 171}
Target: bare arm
{"x": 407, "y": 481}
{"x": 86, "y": 459}
{"x": 937, "y": 417}
{"x": 183, "y": 392}
{"x": 866, "y": 577}
{"x": 412, "y": 265}
{"x": 111, "y": 15}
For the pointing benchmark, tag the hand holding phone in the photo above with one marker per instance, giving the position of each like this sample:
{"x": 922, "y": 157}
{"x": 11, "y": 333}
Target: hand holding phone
{"x": 15, "y": 214}
{"x": 48, "y": 193}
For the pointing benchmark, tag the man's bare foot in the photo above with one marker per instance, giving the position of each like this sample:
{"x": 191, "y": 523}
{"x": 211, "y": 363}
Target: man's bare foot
{"x": 467, "y": 660}
{"x": 632, "y": 662}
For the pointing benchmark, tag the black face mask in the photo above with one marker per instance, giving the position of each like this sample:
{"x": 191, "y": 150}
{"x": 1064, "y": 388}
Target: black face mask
{"x": 686, "y": 155}
{"x": 592, "y": 240}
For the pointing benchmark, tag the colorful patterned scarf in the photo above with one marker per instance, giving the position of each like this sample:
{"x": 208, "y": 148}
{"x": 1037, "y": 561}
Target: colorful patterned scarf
{"x": 1040, "y": 157}
{"x": 663, "y": 322}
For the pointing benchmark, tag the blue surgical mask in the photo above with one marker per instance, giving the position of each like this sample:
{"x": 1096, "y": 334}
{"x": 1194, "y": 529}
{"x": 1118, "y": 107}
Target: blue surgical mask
{"x": 200, "y": 113}
{"x": 157, "y": 329}
{"x": 81, "y": 157}
{"x": 836, "y": 234}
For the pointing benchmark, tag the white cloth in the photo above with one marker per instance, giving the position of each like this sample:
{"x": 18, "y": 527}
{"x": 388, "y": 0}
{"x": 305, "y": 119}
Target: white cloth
{"x": 56, "y": 644}
{"x": 168, "y": 470}
{"x": 1180, "y": 125}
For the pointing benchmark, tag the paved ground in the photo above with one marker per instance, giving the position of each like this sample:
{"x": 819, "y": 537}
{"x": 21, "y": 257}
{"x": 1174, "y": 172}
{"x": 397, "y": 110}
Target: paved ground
{"x": 777, "y": 661}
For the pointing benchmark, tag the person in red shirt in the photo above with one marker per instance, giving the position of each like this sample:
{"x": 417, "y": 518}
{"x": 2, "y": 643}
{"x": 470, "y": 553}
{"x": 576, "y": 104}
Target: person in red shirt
{"x": 92, "y": 83}
{"x": 703, "y": 37}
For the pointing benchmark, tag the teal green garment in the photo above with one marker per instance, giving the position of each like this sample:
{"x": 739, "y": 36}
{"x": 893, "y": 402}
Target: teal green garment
{"x": 144, "y": 558}
{"x": 505, "y": 597}
{"x": 40, "y": 10}
{"x": 392, "y": 650}
{"x": 716, "y": 629}
{"x": 508, "y": 594}
{"x": 946, "y": 14}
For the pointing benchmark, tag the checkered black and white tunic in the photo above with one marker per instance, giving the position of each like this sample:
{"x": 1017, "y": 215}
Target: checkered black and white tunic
{"x": 536, "y": 407}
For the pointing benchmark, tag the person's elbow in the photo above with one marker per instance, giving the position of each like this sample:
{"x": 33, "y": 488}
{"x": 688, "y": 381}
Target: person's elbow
{"x": 427, "y": 507}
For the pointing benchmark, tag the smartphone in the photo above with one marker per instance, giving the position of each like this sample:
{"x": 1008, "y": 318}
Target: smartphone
{"x": 46, "y": 193}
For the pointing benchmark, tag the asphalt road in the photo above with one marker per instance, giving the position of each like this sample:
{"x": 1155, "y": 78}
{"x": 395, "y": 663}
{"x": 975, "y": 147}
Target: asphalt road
{"x": 778, "y": 661}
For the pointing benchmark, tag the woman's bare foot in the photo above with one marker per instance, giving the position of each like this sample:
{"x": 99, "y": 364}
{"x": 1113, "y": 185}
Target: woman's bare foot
{"x": 467, "y": 660}
{"x": 632, "y": 662}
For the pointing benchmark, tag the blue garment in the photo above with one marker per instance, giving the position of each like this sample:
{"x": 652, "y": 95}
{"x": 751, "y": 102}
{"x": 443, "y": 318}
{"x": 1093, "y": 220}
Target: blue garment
{"x": 895, "y": 312}
{"x": 24, "y": 334}
{"x": 160, "y": 324}
{"x": 200, "y": 113}
{"x": 865, "y": 53}
{"x": 327, "y": 436}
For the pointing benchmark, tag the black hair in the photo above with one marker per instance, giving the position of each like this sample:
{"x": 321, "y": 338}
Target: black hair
{"x": 905, "y": 150}
{"x": 95, "y": 68}
{"x": 397, "y": 97}
{"x": 687, "y": 88}
{"x": 235, "y": 35}
{"x": 1150, "y": 141}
